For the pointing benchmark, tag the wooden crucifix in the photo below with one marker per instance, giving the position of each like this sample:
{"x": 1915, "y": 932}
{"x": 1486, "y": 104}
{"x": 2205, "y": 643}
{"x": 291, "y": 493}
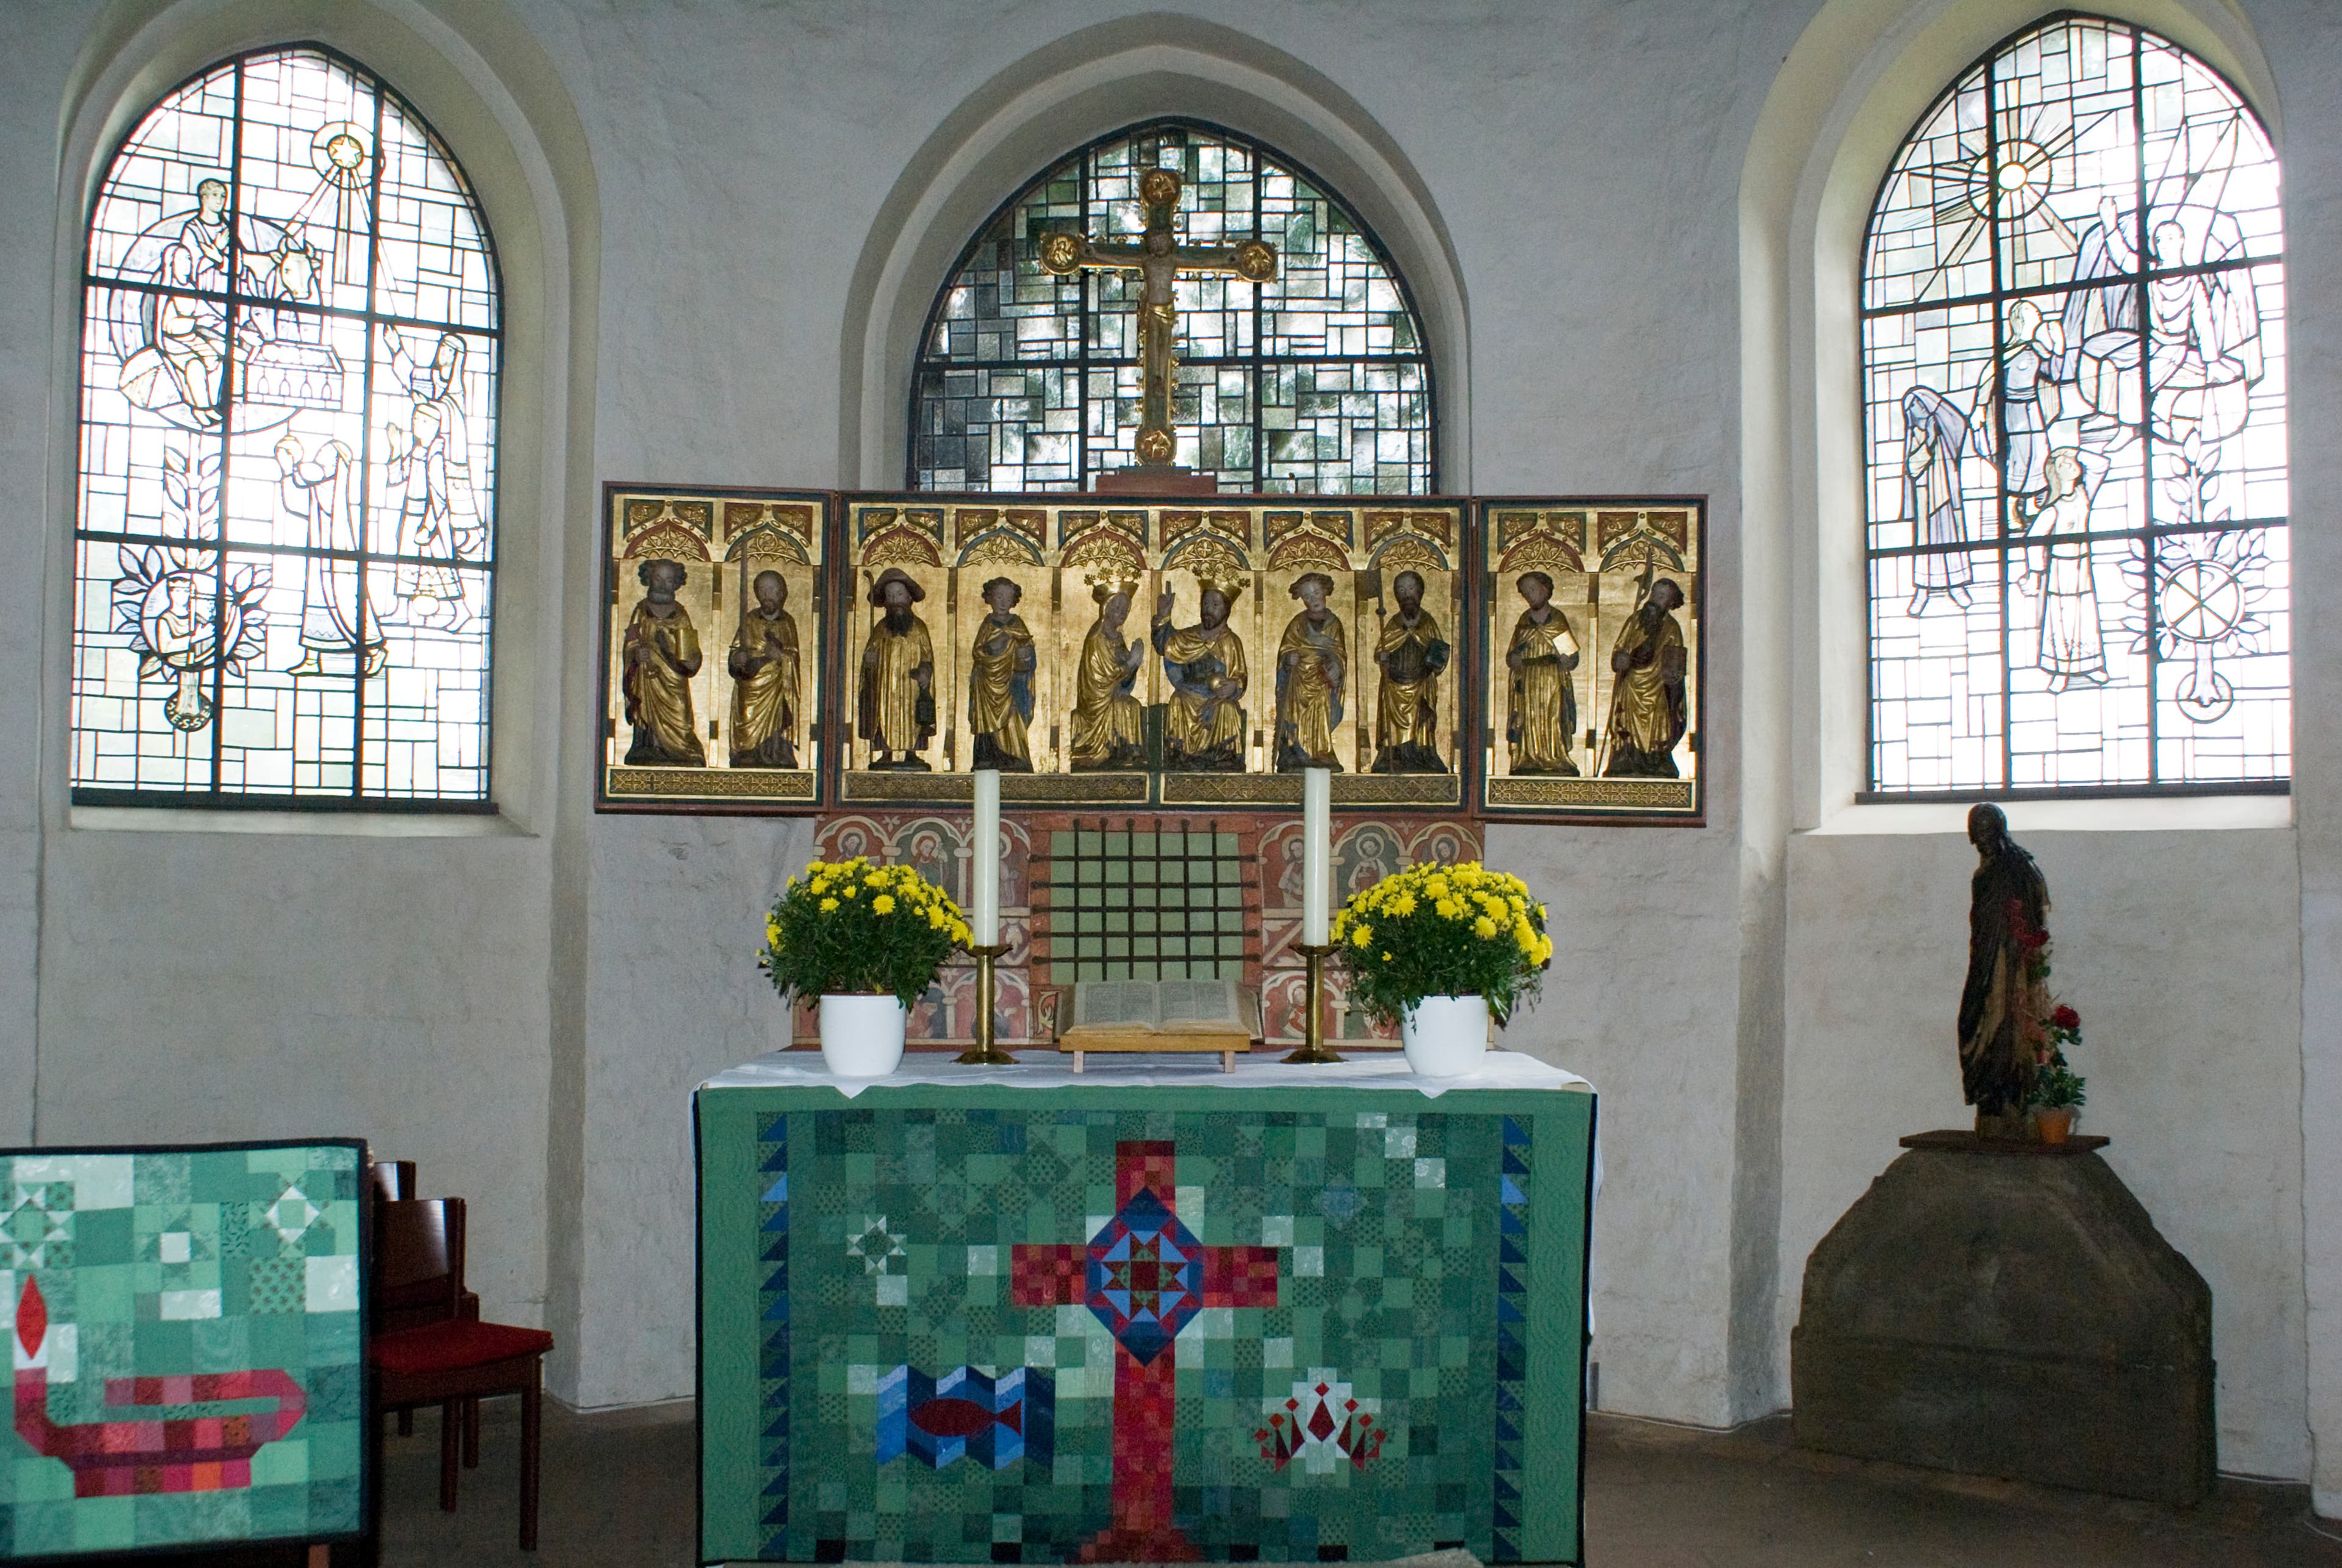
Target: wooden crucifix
{"x": 1159, "y": 258}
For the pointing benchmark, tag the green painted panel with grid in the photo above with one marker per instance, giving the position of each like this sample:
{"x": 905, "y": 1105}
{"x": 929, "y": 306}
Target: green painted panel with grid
{"x": 1404, "y": 1378}
{"x": 1130, "y": 904}
{"x": 185, "y": 1328}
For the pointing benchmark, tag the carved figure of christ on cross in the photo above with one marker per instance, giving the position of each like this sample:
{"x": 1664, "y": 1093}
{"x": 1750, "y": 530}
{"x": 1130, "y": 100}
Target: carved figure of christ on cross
{"x": 1145, "y": 1275}
{"x": 1158, "y": 258}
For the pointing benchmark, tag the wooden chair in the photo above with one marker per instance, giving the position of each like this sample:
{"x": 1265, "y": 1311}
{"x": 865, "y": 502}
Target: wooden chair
{"x": 393, "y": 1180}
{"x": 425, "y": 1352}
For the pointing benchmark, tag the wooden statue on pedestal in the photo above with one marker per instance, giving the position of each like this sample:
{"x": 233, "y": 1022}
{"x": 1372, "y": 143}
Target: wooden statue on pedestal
{"x": 2007, "y": 996}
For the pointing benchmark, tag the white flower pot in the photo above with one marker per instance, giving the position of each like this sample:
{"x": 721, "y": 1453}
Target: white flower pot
{"x": 862, "y": 1037}
{"x": 1445, "y": 1036}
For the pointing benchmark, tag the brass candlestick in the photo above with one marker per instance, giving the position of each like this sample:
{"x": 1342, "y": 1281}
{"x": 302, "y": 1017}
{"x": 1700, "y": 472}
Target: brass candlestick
{"x": 1313, "y": 1027}
{"x": 983, "y": 1053}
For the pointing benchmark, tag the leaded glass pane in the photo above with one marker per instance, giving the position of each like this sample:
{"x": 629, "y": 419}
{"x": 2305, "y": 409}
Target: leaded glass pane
{"x": 2074, "y": 396}
{"x": 290, "y": 351}
{"x": 1317, "y": 381}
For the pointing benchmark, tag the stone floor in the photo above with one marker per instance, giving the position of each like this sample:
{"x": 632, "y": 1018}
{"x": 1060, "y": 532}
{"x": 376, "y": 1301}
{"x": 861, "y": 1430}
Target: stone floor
{"x": 618, "y": 1490}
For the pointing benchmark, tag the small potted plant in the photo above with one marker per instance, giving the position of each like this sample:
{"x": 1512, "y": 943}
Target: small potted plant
{"x": 1439, "y": 950}
{"x": 2059, "y": 1091}
{"x": 867, "y": 940}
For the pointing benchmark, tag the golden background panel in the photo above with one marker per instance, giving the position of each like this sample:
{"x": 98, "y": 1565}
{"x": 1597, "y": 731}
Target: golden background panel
{"x": 1399, "y": 789}
{"x": 1232, "y": 789}
{"x": 1563, "y": 794}
{"x": 709, "y": 784}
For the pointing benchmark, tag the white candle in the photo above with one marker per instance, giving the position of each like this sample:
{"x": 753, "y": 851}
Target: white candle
{"x": 983, "y": 846}
{"x": 1317, "y": 852}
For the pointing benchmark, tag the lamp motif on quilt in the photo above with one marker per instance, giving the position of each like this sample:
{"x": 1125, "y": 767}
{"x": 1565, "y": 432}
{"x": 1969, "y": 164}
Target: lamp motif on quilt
{"x": 136, "y": 1456}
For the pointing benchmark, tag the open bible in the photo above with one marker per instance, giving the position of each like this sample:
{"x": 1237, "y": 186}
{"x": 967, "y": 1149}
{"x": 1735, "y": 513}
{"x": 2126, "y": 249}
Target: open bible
{"x": 1128, "y": 1016}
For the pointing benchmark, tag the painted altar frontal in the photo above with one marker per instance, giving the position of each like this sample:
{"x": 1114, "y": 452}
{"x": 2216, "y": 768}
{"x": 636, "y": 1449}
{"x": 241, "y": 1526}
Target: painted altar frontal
{"x": 184, "y": 1331}
{"x": 1532, "y": 658}
{"x": 989, "y": 1324}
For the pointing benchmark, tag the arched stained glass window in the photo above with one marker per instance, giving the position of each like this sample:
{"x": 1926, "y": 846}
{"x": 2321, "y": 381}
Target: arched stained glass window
{"x": 2073, "y": 307}
{"x": 1317, "y": 380}
{"x": 288, "y": 422}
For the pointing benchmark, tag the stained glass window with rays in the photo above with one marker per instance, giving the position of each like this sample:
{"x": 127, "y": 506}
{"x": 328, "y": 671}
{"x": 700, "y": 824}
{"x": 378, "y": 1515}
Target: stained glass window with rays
{"x": 2073, "y": 317}
{"x": 288, "y": 444}
{"x": 1315, "y": 382}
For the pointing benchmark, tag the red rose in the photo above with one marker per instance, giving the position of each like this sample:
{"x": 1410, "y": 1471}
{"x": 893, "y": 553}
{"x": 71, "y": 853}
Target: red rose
{"x": 2066, "y": 1017}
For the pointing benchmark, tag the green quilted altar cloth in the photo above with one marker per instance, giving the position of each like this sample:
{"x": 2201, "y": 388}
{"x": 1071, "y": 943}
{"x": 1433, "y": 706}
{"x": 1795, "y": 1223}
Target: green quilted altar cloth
{"x": 1149, "y": 1315}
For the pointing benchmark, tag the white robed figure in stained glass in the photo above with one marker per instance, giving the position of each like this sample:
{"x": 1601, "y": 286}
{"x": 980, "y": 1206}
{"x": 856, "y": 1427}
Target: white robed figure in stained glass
{"x": 335, "y": 617}
{"x": 1934, "y": 439}
{"x": 431, "y": 471}
{"x": 2073, "y": 638}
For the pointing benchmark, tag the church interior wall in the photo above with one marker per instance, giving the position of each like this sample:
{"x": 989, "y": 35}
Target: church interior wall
{"x": 2192, "y": 1058}
{"x": 2302, "y": 39}
{"x": 2180, "y": 923}
{"x": 1542, "y": 390}
{"x": 1763, "y": 1010}
{"x": 246, "y": 975}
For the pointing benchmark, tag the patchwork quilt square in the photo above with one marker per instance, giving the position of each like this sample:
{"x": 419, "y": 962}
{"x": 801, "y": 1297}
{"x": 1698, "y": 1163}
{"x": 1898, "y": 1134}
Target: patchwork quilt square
{"x": 182, "y": 1330}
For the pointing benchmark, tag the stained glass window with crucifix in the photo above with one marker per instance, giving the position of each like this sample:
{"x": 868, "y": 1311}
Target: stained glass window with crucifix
{"x": 1316, "y": 380}
{"x": 2074, "y": 384}
{"x": 290, "y": 351}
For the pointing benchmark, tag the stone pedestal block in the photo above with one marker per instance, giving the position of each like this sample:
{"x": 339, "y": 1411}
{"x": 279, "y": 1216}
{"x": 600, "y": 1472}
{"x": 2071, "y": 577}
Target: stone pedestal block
{"x": 2008, "y": 1310}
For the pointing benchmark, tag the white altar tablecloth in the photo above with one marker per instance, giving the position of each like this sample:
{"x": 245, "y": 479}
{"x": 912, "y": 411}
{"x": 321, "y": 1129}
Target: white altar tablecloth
{"x": 1051, "y": 1070}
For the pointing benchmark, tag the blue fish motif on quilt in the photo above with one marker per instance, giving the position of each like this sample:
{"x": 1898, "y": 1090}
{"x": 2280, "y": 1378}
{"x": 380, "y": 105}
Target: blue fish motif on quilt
{"x": 966, "y": 1413}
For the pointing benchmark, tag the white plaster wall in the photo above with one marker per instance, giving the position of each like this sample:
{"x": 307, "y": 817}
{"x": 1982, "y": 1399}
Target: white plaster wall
{"x": 2186, "y": 936}
{"x": 675, "y": 998}
{"x": 1641, "y": 999}
{"x": 2304, "y": 38}
{"x": 2180, "y": 951}
{"x": 196, "y": 977}
{"x": 208, "y": 985}
{"x": 27, "y": 183}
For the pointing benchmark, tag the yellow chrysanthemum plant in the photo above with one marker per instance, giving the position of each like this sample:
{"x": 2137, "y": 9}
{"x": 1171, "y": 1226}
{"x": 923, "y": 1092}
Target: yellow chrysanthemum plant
{"x": 1435, "y": 929}
{"x": 853, "y": 926}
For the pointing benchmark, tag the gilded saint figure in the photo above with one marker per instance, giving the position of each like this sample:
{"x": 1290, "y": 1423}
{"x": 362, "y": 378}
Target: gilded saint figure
{"x": 661, "y": 653}
{"x": 1204, "y": 723}
{"x": 1109, "y": 725}
{"x": 765, "y": 679}
{"x": 897, "y": 714}
{"x": 1313, "y": 659}
{"x": 1411, "y": 654}
{"x": 2006, "y": 993}
{"x": 1000, "y": 682}
{"x": 1542, "y": 718}
{"x": 1648, "y": 710}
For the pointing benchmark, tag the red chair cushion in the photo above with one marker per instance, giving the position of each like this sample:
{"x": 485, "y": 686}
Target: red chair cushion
{"x": 453, "y": 1344}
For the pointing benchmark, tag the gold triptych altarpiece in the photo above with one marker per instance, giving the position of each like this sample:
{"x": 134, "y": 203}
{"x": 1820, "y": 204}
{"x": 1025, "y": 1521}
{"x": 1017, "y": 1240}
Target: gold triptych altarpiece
{"x": 1550, "y": 669}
